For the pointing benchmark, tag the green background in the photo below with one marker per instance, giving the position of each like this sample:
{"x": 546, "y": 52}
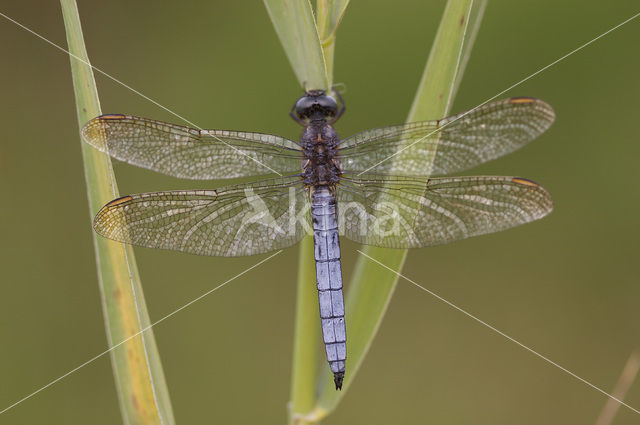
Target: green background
{"x": 566, "y": 286}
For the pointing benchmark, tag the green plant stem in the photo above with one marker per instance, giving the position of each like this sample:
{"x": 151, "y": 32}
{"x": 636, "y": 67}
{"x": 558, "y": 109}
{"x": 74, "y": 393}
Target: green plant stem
{"x": 371, "y": 286}
{"x": 294, "y": 23}
{"x": 140, "y": 382}
{"x": 298, "y": 32}
{"x": 296, "y": 28}
{"x": 306, "y": 336}
{"x": 329, "y": 15}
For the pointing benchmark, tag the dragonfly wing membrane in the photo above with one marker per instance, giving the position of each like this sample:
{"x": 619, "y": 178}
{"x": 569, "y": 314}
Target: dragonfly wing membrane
{"x": 403, "y": 212}
{"x": 234, "y": 221}
{"x": 190, "y": 153}
{"x": 451, "y": 144}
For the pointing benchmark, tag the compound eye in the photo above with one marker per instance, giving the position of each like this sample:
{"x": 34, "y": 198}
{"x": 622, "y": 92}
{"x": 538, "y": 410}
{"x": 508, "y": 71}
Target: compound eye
{"x": 329, "y": 104}
{"x": 303, "y": 106}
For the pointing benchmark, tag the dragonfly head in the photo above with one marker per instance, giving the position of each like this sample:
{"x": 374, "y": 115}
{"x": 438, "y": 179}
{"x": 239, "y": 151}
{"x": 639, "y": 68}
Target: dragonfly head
{"x": 316, "y": 104}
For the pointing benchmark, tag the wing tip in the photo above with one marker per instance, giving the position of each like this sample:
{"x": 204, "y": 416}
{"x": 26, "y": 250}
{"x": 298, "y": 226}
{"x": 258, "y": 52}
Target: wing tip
{"x": 93, "y": 132}
{"x": 546, "y": 201}
{"x": 102, "y": 223}
{"x": 546, "y": 108}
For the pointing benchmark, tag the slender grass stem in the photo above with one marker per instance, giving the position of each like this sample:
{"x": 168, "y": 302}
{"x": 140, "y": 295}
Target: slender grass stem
{"x": 309, "y": 45}
{"x": 295, "y": 25}
{"x": 140, "y": 382}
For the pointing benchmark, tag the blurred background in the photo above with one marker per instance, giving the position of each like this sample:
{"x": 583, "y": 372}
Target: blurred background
{"x": 566, "y": 286}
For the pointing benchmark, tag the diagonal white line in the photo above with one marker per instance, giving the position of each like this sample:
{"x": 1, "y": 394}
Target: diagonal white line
{"x": 137, "y": 333}
{"x": 532, "y": 351}
{"x": 504, "y": 91}
{"x": 133, "y": 90}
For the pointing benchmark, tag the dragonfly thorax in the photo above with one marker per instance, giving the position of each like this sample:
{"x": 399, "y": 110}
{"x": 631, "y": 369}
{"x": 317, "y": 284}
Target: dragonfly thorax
{"x": 319, "y": 146}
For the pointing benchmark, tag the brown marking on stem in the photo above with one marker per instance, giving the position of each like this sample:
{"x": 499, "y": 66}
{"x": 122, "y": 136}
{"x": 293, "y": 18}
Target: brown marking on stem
{"x": 134, "y": 402}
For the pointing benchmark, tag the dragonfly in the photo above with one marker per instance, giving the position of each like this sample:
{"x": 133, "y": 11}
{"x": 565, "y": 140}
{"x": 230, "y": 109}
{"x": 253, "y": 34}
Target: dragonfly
{"x": 378, "y": 187}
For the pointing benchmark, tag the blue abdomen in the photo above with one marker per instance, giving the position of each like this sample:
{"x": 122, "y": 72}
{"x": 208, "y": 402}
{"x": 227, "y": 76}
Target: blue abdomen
{"x": 329, "y": 278}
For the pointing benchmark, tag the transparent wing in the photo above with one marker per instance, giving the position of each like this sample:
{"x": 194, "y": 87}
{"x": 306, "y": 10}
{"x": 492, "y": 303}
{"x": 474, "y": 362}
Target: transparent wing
{"x": 458, "y": 142}
{"x": 403, "y": 212}
{"x": 190, "y": 153}
{"x": 234, "y": 221}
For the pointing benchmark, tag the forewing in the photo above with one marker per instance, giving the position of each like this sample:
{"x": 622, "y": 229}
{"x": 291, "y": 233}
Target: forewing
{"x": 234, "y": 221}
{"x": 455, "y": 143}
{"x": 190, "y": 153}
{"x": 395, "y": 212}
